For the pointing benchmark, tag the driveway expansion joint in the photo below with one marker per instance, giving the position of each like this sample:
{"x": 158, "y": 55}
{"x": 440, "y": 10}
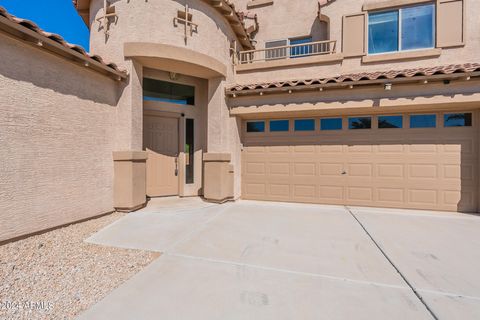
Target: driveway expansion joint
{"x": 301, "y": 273}
{"x": 417, "y": 294}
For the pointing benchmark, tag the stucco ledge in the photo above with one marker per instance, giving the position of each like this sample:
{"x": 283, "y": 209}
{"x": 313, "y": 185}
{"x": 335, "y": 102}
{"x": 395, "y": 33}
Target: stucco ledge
{"x": 129, "y": 155}
{"x": 285, "y": 63}
{"x": 217, "y": 157}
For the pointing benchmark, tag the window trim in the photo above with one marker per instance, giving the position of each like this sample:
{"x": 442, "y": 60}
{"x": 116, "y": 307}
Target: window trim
{"x": 399, "y": 8}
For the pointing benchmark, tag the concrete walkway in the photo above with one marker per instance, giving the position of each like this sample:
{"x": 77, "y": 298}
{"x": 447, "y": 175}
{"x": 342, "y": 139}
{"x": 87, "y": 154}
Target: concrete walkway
{"x": 263, "y": 260}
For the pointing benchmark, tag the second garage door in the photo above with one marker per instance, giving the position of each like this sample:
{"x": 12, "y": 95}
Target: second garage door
{"x": 424, "y": 161}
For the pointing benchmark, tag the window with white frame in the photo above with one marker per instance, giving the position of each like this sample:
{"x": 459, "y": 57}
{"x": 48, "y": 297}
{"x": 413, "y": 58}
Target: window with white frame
{"x": 408, "y": 28}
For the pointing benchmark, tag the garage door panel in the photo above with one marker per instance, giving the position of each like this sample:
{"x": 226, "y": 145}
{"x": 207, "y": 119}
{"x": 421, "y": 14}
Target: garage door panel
{"x": 335, "y": 149}
{"x": 359, "y": 195}
{"x": 279, "y": 149}
{"x": 434, "y": 168}
{"x": 390, "y": 195}
{"x": 305, "y": 191}
{"x": 390, "y": 148}
{"x": 305, "y": 169}
{"x": 360, "y": 149}
{"x": 418, "y": 147}
{"x": 279, "y": 168}
{"x": 304, "y": 149}
{"x": 360, "y": 170}
{"x": 255, "y": 189}
{"x": 423, "y": 196}
{"x": 330, "y": 169}
{"x": 422, "y": 171}
{"x": 331, "y": 193}
{"x": 280, "y": 190}
{"x": 254, "y": 168}
{"x": 390, "y": 170}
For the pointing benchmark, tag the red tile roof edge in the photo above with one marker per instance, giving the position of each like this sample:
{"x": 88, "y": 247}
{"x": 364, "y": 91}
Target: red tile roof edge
{"x": 363, "y": 76}
{"x": 57, "y": 38}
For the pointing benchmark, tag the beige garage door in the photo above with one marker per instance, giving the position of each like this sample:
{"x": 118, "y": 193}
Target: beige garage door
{"x": 425, "y": 168}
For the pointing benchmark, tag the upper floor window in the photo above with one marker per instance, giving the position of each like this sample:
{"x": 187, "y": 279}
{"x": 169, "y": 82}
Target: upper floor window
{"x": 401, "y": 29}
{"x": 164, "y": 91}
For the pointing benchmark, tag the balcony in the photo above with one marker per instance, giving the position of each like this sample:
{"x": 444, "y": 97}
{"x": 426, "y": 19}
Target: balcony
{"x": 289, "y": 55}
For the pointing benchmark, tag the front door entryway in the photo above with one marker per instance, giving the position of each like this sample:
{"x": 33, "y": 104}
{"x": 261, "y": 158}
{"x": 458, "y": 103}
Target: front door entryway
{"x": 161, "y": 141}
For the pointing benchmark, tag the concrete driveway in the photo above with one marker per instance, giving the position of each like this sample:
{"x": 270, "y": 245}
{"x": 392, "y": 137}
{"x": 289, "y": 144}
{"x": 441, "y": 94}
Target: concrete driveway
{"x": 264, "y": 260}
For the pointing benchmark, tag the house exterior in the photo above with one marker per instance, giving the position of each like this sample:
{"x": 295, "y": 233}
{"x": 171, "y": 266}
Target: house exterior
{"x": 342, "y": 102}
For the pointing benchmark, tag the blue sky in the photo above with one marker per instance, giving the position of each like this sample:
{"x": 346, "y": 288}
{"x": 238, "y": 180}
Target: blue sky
{"x": 57, "y": 16}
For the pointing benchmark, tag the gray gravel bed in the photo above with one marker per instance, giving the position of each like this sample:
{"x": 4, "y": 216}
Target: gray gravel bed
{"x": 56, "y": 275}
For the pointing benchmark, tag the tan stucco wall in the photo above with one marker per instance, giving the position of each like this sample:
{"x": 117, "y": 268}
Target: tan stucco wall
{"x": 286, "y": 19}
{"x": 152, "y": 22}
{"x": 57, "y": 136}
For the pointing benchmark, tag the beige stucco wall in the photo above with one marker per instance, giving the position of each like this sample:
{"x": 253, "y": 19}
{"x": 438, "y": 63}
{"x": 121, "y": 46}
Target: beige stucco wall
{"x": 152, "y": 22}
{"x": 286, "y": 19}
{"x": 56, "y": 136}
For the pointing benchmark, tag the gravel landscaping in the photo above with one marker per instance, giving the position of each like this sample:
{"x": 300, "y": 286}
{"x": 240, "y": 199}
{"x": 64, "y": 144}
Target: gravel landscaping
{"x": 56, "y": 275}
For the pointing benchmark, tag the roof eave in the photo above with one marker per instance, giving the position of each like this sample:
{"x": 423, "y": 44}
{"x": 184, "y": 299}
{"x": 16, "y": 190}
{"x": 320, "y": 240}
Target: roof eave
{"x": 351, "y": 84}
{"x": 40, "y": 41}
{"x": 83, "y": 9}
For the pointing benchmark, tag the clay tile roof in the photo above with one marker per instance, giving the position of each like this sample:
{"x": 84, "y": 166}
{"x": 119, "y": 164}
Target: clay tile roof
{"x": 452, "y": 69}
{"x": 30, "y": 25}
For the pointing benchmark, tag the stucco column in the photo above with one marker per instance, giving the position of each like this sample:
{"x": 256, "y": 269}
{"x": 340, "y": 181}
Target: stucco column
{"x": 129, "y": 121}
{"x": 222, "y": 131}
{"x": 217, "y": 114}
{"x": 129, "y": 186}
{"x": 218, "y": 177}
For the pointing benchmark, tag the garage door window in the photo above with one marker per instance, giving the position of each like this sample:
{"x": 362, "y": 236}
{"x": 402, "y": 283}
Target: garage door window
{"x": 331, "y": 124}
{"x": 360, "y": 123}
{"x": 390, "y": 122}
{"x": 305, "y": 125}
{"x": 458, "y": 120}
{"x": 423, "y": 121}
{"x": 279, "y": 125}
{"x": 256, "y": 126}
